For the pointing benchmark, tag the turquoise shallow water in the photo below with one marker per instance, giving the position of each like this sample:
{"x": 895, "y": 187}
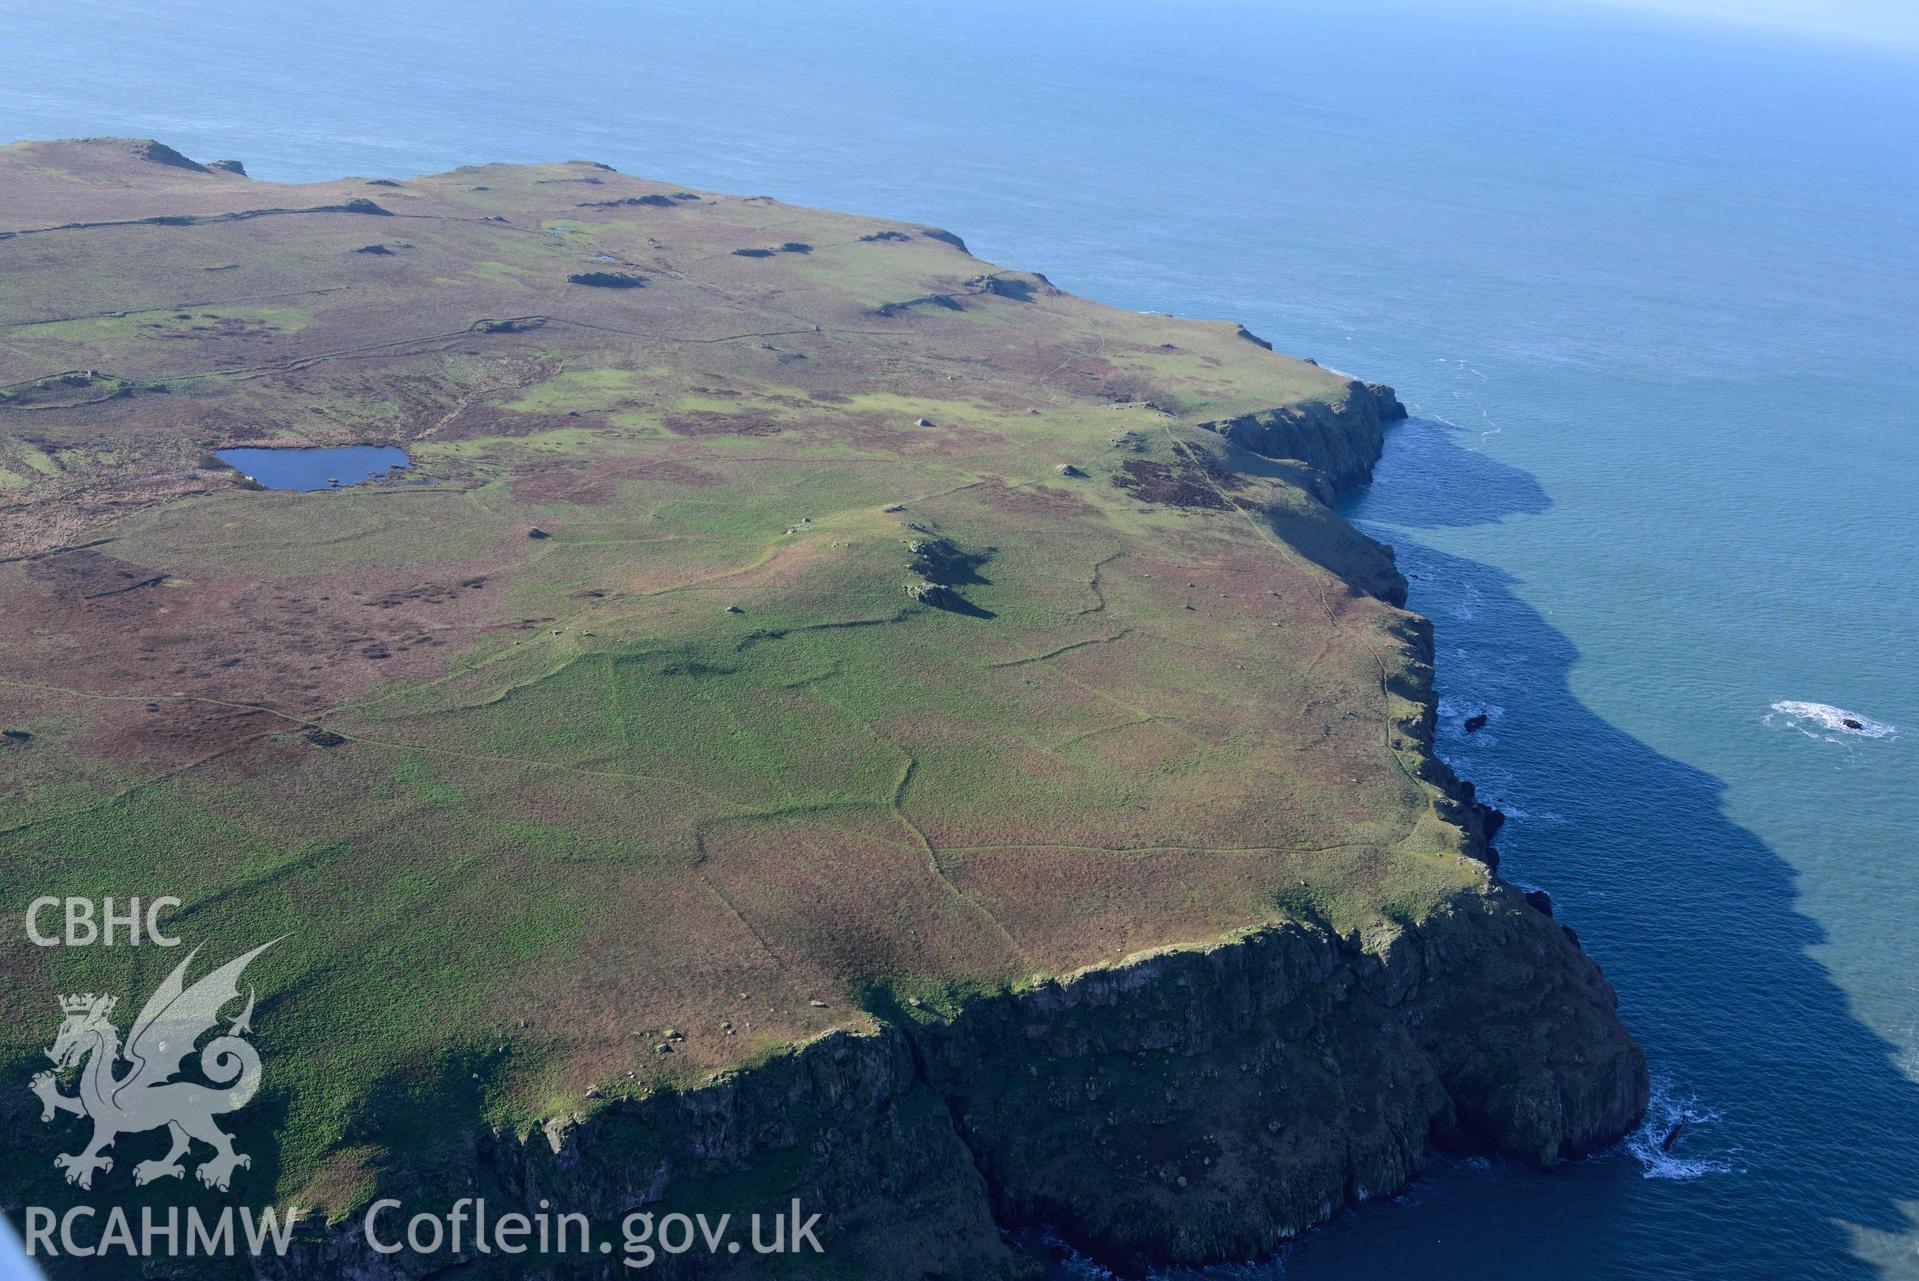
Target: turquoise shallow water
{"x": 1651, "y": 293}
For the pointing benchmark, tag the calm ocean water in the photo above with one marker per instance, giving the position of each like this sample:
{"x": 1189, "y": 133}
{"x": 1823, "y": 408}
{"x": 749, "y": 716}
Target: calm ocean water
{"x": 1652, "y": 294}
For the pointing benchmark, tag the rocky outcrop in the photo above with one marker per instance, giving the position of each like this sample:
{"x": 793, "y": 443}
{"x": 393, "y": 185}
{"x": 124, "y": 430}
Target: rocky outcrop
{"x": 158, "y": 153}
{"x": 945, "y": 237}
{"x": 607, "y": 279}
{"x": 1341, "y": 438}
{"x": 941, "y": 569}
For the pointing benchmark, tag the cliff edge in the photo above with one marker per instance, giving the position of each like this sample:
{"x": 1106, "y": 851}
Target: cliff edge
{"x": 818, "y": 716}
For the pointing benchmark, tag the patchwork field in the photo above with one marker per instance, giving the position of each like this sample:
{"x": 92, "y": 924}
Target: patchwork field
{"x": 788, "y": 616}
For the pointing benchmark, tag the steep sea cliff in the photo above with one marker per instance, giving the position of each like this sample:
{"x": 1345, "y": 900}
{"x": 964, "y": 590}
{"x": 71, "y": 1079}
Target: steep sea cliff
{"x": 1630, "y": 259}
{"x": 1341, "y": 438}
{"x": 1189, "y": 1105}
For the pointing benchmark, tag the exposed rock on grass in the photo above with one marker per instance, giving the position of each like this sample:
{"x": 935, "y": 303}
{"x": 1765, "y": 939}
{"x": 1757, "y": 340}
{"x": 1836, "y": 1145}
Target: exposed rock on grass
{"x": 942, "y": 569}
{"x": 607, "y": 279}
{"x": 508, "y": 325}
{"x": 938, "y": 595}
{"x": 1019, "y": 288}
{"x": 943, "y": 302}
{"x": 655, "y": 201}
{"x": 157, "y": 153}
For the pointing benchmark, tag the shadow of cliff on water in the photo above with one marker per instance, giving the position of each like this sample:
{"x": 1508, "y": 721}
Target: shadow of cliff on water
{"x": 1695, "y": 921}
{"x": 1427, "y": 480}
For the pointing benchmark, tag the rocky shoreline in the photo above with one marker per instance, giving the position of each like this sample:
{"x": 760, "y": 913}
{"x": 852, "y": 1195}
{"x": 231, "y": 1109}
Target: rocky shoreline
{"x": 1189, "y": 1105}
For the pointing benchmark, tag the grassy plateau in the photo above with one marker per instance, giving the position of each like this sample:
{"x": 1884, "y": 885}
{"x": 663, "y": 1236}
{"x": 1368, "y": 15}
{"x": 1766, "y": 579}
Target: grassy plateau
{"x": 788, "y": 617}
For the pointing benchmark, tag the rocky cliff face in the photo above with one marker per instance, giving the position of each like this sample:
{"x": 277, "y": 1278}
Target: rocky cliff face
{"x": 1208, "y": 1104}
{"x": 1185, "y": 1106}
{"x": 1341, "y": 438}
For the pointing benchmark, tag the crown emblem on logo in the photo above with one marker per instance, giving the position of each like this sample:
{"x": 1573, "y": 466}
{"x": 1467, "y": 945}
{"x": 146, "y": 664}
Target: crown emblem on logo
{"x": 129, "y": 1087}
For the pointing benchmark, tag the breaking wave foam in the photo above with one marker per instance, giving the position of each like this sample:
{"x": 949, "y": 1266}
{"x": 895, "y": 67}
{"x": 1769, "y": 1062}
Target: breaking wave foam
{"x": 1664, "y": 1109}
{"x": 1835, "y": 720}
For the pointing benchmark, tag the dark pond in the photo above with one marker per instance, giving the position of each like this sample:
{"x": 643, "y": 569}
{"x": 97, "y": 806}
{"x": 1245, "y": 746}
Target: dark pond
{"x": 318, "y": 468}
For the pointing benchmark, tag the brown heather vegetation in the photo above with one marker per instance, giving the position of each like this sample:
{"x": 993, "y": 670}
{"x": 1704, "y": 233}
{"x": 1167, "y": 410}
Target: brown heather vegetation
{"x": 693, "y": 759}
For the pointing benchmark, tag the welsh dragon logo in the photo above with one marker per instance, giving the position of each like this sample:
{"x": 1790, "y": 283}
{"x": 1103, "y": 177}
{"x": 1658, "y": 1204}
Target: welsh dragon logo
{"x": 144, "y": 1096}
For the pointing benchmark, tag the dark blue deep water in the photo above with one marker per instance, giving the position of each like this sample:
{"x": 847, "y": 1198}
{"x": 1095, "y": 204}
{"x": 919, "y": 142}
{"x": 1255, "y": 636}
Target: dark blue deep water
{"x": 1650, "y": 291}
{"x": 318, "y": 467}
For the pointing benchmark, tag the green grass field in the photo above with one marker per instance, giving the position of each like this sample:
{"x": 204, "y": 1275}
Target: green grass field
{"x": 694, "y": 759}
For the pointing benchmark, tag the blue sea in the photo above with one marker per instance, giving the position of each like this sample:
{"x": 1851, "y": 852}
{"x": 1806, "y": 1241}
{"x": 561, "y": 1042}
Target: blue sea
{"x": 1652, "y": 292}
